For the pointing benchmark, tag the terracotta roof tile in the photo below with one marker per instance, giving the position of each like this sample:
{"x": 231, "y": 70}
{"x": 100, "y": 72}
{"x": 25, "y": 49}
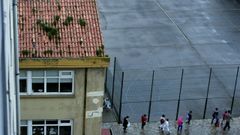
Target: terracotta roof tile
{"x": 51, "y": 29}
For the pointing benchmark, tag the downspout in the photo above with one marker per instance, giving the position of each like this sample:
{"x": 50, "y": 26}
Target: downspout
{"x": 16, "y": 62}
{"x": 2, "y": 107}
{"x": 4, "y": 121}
{"x": 85, "y": 101}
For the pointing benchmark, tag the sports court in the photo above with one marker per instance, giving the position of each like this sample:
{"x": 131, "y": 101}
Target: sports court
{"x": 168, "y": 36}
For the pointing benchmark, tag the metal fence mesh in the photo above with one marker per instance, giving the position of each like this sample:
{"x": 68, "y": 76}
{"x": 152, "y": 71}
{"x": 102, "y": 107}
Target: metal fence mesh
{"x": 194, "y": 83}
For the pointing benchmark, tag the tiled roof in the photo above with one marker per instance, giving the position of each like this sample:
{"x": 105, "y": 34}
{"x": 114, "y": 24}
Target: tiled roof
{"x": 55, "y": 29}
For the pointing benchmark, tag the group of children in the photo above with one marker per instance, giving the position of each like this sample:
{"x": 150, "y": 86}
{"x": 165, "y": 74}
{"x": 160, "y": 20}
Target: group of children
{"x": 164, "y": 123}
{"x": 180, "y": 121}
{"x": 226, "y": 117}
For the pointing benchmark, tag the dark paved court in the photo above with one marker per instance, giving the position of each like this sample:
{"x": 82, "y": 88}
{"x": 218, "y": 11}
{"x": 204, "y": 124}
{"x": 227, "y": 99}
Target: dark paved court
{"x": 163, "y": 33}
{"x": 198, "y": 127}
{"x": 158, "y": 34}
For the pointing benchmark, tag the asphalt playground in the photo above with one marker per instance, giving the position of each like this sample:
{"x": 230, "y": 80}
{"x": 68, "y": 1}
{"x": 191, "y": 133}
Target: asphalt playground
{"x": 168, "y": 36}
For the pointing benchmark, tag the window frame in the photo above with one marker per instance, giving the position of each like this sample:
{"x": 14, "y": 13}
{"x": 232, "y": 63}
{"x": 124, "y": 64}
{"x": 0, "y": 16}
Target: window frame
{"x": 24, "y": 125}
{"x": 30, "y": 125}
{"x": 23, "y": 78}
{"x": 60, "y": 76}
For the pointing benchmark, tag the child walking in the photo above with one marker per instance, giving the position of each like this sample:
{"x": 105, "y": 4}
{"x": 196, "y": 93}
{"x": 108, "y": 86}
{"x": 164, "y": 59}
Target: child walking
{"x": 143, "y": 120}
{"x": 125, "y": 124}
{"x": 180, "y": 124}
{"x": 189, "y": 117}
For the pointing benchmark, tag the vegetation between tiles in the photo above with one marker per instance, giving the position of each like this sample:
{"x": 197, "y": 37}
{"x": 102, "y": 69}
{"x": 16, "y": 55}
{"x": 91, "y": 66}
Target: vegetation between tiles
{"x": 48, "y": 52}
{"x": 26, "y": 52}
{"x": 100, "y": 51}
{"x": 82, "y": 22}
{"x": 68, "y": 20}
{"x": 51, "y": 31}
{"x": 56, "y": 19}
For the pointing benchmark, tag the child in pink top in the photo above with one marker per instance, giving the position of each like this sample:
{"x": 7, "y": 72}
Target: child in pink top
{"x": 180, "y": 123}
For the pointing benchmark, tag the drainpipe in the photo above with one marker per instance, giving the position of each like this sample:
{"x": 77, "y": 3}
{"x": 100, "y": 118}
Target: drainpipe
{"x": 3, "y": 108}
{"x": 16, "y": 62}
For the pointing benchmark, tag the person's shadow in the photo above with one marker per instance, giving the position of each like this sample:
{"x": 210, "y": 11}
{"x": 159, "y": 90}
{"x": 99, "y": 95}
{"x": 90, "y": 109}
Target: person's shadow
{"x": 179, "y": 132}
{"x": 186, "y": 130}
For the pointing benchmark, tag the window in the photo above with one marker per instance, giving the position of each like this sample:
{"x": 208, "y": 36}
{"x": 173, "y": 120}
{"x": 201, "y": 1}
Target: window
{"x": 23, "y": 81}
{"x": 39, "y": 82}
{"x": 24, "y": 128}
{"x": 46, "y": 127}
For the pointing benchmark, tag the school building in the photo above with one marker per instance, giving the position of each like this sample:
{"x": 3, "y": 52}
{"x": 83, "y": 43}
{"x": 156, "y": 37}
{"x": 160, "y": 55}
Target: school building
{"x": 62, "y": 67}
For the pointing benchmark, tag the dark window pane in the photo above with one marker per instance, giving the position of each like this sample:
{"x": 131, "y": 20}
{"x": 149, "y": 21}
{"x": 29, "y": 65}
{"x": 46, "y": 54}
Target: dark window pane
{"x": 65, "y": 85}
{"x": 51, "y": 122}
{"x": 37, "y": 122}
{"x": 52, "y": 85}
{"x": 65, "y": 130}
{"x": 65, "y": 121}
{"x": 23, "y": 130}
{"x": 38, "y": 130}
{"x": 52, "y": 130}
{"x": 38, "y": 85}
{"x": 23, "y": 85}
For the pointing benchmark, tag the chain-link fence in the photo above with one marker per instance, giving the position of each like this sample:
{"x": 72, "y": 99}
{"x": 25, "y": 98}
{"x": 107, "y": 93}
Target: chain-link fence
{"x": 174, "y": 91}
{"x": 113, "y": 84}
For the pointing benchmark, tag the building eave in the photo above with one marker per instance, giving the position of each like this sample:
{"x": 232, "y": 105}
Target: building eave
{"x": 63, "y": 63}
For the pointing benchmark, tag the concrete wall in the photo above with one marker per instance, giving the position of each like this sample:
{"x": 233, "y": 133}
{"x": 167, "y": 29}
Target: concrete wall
{"x": 70, "y": 107}
{"x": 95, "y": 84}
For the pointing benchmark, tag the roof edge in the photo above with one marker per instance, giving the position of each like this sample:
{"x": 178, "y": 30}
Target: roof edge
{"x": 87, "y": 62}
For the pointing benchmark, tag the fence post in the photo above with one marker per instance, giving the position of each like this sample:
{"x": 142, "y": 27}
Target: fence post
{"x": 120, "y": 103}
{"x": 209, "y": 81}
{"x": 179, "y": 95}
{"x": 150, "y": 101}
{"x": 105, "y": 84}
{"x": 235, "y": 87}
{"x": 113, "y": 82}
